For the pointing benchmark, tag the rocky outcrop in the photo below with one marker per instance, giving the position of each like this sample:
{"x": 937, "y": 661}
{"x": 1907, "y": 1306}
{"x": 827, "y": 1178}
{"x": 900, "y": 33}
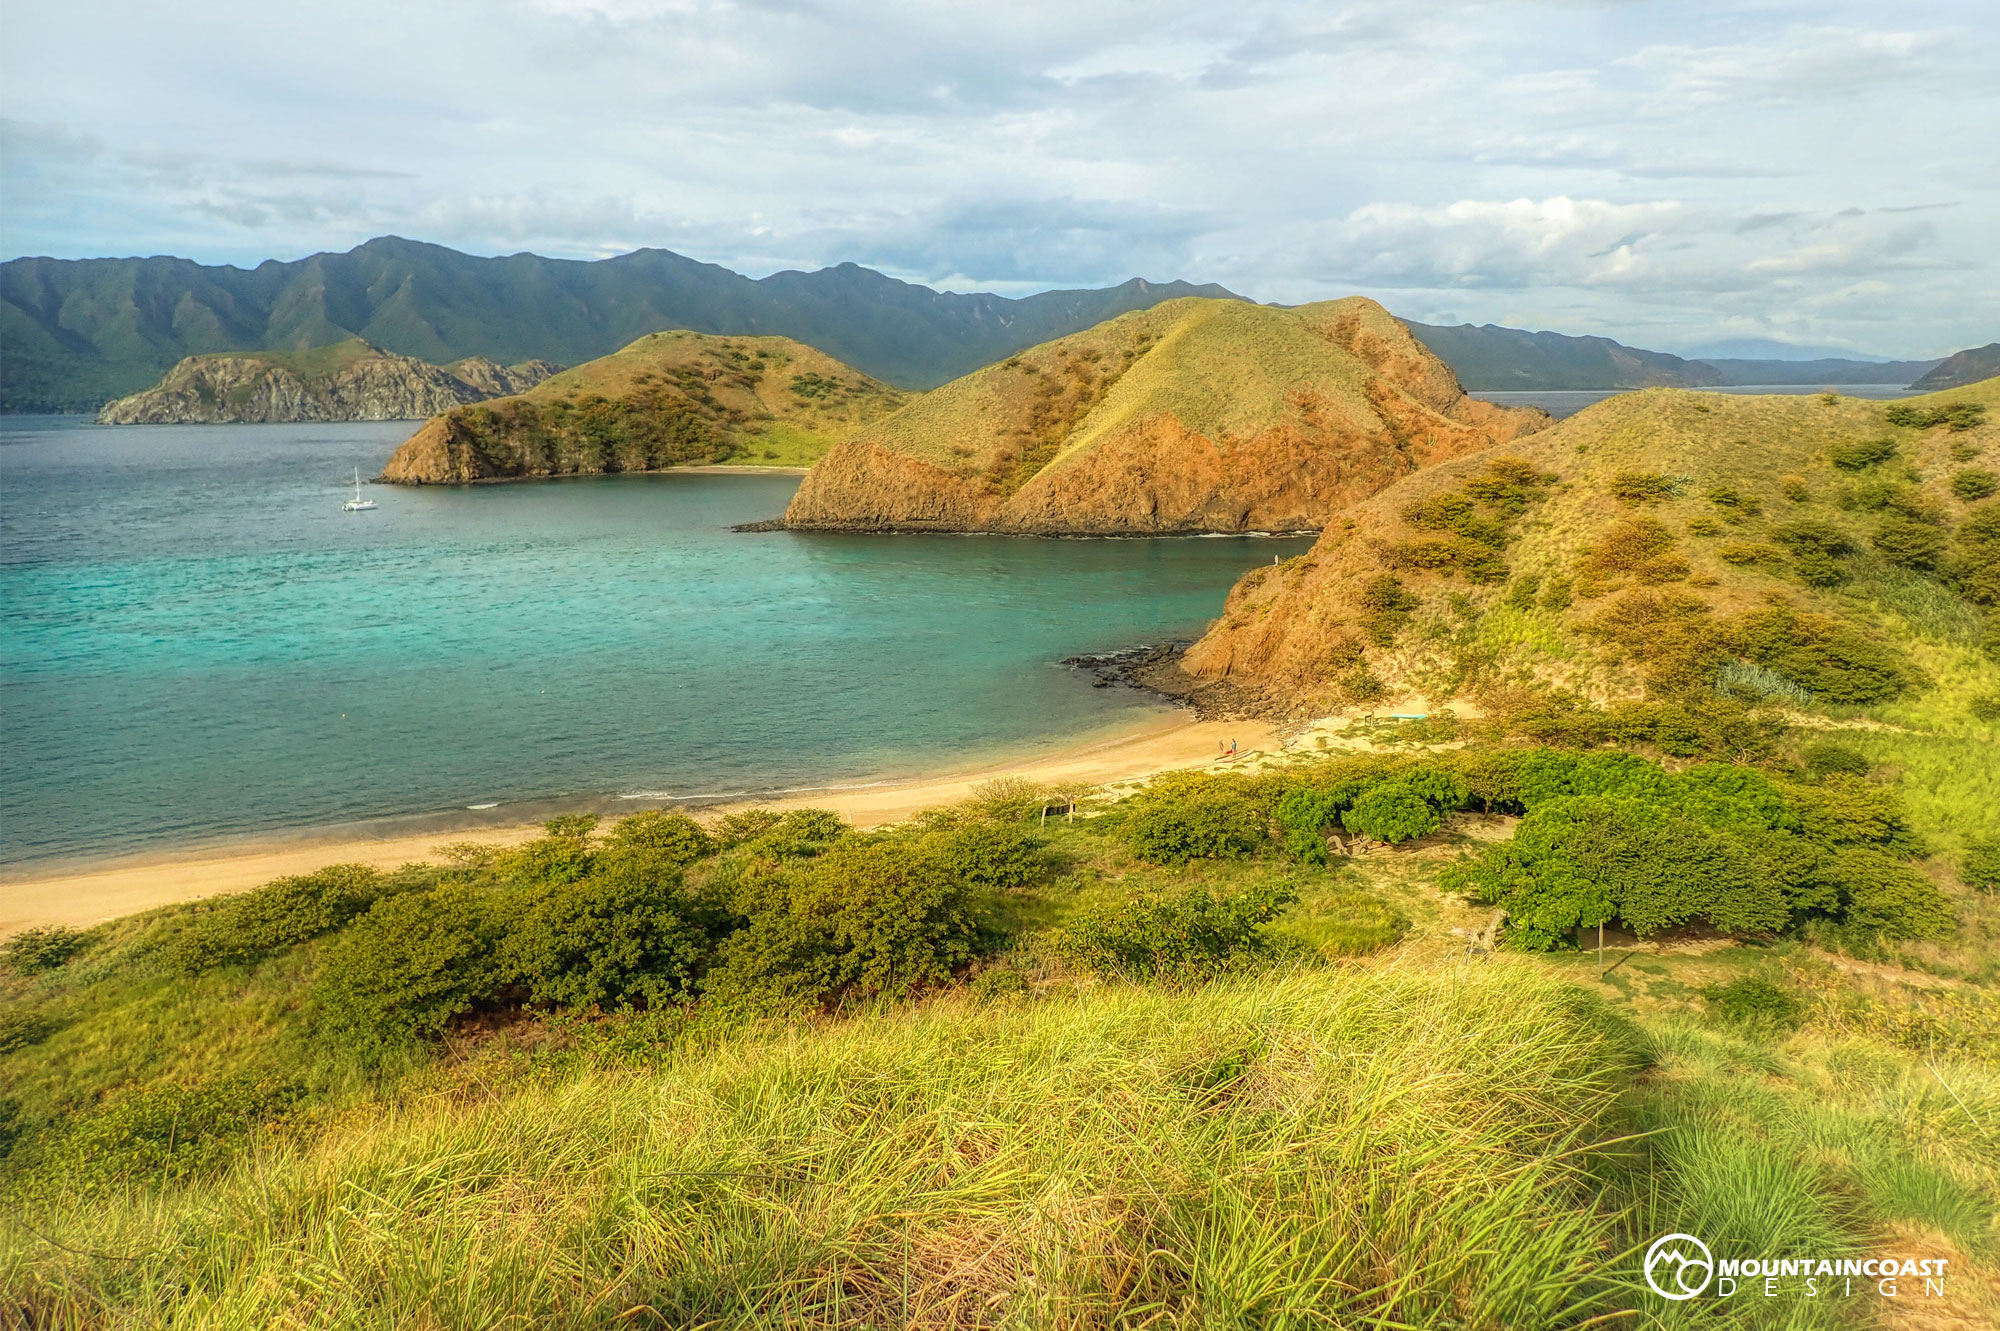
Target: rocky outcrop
{"x": 1196, "y": 416}
{"x": 349, "y": 382}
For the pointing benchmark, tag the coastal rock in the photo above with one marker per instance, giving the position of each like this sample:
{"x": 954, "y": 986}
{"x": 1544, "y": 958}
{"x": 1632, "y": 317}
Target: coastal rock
{"x": 1195, "y": 416}
{"x": 350, "y": 381}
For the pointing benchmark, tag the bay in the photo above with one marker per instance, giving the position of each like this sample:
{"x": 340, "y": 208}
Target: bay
{"x": 196, "y": 643}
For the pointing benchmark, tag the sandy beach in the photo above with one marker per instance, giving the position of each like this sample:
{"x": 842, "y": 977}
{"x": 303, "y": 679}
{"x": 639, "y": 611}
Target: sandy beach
{"x": 113, "y": 888}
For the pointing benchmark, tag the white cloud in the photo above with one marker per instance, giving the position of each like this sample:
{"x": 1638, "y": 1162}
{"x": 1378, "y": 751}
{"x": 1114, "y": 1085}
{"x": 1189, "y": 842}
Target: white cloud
{"x": 1627, "y": 169}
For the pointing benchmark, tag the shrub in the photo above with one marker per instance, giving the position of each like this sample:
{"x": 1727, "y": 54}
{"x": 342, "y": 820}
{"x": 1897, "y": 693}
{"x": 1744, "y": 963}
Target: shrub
{"x": 1795, "y": 489}
{"x": 1640, "y": 547}
{"x": 1835, "y": 662}
{"x": 1304, "y": 813}
{"x": 1976, "y": 555}
{"x": 1641, "y": 487}
{"x": 1385, "y": 608}
{"x": 1704, "y": 526}
{"x": 1729, "y": 497}
{"x": 654, "y": 842}
{"x": 989, "y": 855}
{"x": 866, "y": 917}
{"x": 1912, "y": 544}
{"x": 1189, "y": 817}
{"x": 735, "y": 829}
{"x": 1863, "y": 454}
{"x": 1973, "y": 483}
{"x": 607, "y": 940}
{"x": 1980, "y": 866}
{"x": 1985, "y": 707}
{"x": 549, "y": 859}
{"x": 407, "y": 967}
{"x": 1883, "y": 895}
{"x": 1479, "y": 561}
{"x": 1581, "y": 860}
{"x": 35, "y": 950}
{"x": 280, "y": 913}
{"x": 1190, "y": 935}
{"x": 1007, "y": 799}
{"x": 1960, "y": 416}
{"x": 1813, "y": 536}
{"x": 1393, "y": 812}
{"x": 802, "y": 834}
{"x": 1825, "y": 758}
{"x": 1846, "y": 810}
{"x": 1741, "y": 553}
{"x": 1756, "y": 1003}
{"x": 21, "y": 1027}
{"x": 1458, "y": 513}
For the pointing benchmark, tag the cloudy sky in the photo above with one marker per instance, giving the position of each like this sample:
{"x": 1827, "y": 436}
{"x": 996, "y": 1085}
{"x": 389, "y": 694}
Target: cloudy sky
{"x": 1670, "y": 174}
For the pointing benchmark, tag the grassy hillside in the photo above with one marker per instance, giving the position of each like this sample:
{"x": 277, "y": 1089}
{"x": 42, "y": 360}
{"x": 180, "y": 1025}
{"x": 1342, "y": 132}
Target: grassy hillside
{"x": 1219, "y": 1054}
{"x": 668, "y": 399}
{"x": 79, "y": 332}
{"x": 1195, "y": 415}
{"x": 1708, "y": 555}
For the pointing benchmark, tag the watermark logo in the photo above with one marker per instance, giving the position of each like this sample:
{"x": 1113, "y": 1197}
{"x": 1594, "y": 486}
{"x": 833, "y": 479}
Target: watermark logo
{"x": 1679, "y": 1266}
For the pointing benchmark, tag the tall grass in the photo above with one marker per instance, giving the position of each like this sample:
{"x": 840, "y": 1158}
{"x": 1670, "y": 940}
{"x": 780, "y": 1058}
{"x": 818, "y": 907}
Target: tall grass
{"x": 1339, "y": 1147}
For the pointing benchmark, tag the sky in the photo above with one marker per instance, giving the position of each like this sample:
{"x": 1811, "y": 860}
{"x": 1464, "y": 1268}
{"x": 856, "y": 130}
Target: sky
{"x": 1674, "y": 175}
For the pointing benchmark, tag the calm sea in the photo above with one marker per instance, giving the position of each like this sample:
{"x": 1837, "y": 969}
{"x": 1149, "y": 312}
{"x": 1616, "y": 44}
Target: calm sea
{"x": 199, "y": 644}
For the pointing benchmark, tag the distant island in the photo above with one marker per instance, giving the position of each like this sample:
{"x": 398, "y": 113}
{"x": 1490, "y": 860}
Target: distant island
{"x": 669, "y": 399}
{"x": 348, "y": 381}
{"x": 1965, "y": 367}
{"x": 1194, "y": 416}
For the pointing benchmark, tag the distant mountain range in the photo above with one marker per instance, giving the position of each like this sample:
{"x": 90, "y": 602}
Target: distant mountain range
{"x": 75, "y": 333}
{"x": 1490, "y": 358}
{"x": 78, "y": 332}
{"x": 1962, "y": 368}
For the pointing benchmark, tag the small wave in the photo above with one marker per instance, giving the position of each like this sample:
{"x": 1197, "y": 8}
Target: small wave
{"x": 492, "y": 805}
{"x": 767, "y": 793}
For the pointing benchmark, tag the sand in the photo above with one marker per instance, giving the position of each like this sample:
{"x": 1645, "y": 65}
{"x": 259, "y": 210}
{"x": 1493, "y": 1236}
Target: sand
{"x": 121, "y": 887}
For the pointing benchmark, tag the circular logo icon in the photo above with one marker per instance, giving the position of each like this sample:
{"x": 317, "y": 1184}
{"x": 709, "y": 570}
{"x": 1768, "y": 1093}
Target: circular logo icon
{"x": 1678, "y": 1266}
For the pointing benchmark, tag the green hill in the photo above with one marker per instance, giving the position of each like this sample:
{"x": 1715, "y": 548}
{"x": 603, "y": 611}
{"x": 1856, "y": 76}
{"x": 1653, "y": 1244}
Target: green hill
{"x": 1198, "y": 415}
{"x": 669, "y": 399}
{"x": 77, "y": 333}
{"x": 1961, "y": 368}
{"x": 1685, "y": 548}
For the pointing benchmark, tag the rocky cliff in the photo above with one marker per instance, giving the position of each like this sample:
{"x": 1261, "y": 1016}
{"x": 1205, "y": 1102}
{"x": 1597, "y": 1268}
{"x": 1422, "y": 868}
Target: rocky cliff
{"x": 351, "y": 381}
{"x": 1195, "y": 416}
{"x": 667, "y": 400}
{"x": 1961, "y": 368}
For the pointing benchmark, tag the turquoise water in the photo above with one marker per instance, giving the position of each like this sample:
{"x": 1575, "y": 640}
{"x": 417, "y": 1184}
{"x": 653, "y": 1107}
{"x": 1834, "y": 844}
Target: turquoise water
{"x": 199, "y": 644}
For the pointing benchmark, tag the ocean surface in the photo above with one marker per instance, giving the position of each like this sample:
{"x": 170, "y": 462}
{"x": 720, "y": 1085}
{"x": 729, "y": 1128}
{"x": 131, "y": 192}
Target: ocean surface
{"x": 1567, "y": 402}
{"x": 196, "y": 644}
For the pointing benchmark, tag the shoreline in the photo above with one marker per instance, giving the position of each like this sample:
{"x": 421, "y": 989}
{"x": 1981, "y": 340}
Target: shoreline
{"x": 87, "y": 893}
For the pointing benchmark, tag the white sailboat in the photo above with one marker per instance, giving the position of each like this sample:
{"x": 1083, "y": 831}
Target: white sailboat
{"x": 357, "y": 504}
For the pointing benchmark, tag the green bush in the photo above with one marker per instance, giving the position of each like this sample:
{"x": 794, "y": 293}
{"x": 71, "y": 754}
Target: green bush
{"x": 1885, "y": 896}
{"x": 608, "y": 940}
{"x": 1972, "y": 483}
{"x": 1834, "y": 661}
{"x": 867, "y": 917}
{"x": 1385, "y": 608}
{"x": 1825, "y": 758}
{"x": 1813, "y": 535}
{"x": 655, "y": 842}
{"x": 1407, "y": 807}
{"x": 1193, "y": 934}
{"x": 801, "y": 834}
{"x": 1985, "y": 707}
{"x": 35, "y": 950}
{"x": 736, "y": 829}
{"x": 407, "y": 967}
{"x": 21, "y": 1027}
{"x": 1844, "y": 810}
{"x": 560, "y": 857}
{"x": 1959, "y": 416}
{"x": 1911, "y": 544}
{"x": 989, "y": 855}
{"x": 1187, "y": 816}
{"x": 1641, "y": 487}
{"x": 1756, "y": 1003}
{"x": 1863, "y": 454}
{"x": 1579, "y": 861}
{"x": 1976, "y": 555}
{"x": 1980, "y": 866}
{"x": 1007, "y": 799}
{"x": 284, "y": 911}
{"x": 1304, "y": 814}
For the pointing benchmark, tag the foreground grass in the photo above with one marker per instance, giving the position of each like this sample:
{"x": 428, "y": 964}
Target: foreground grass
{"x": 1333, "y": 1148}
